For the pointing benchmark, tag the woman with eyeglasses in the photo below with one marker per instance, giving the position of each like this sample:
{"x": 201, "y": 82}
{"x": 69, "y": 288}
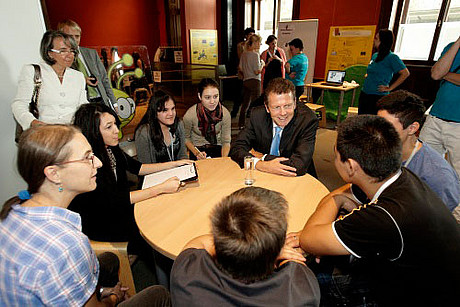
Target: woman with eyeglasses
{"x": 107, "y": 213}
{"x": 45, "y": 259}
{"x": 62, "y": 88}
{"x": 207, "y": 124}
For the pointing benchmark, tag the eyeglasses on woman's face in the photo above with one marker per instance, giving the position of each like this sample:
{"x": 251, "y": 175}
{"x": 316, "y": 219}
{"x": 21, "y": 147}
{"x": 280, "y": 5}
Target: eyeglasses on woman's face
{"x": 89, "y": 159}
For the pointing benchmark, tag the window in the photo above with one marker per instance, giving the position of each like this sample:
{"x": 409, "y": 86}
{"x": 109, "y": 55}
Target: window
{"x": 424, "y": 27}
{"x": 261, "y": 15}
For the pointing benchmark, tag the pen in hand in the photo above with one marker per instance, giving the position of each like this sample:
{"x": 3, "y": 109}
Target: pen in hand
{"x": 200, "y": 154}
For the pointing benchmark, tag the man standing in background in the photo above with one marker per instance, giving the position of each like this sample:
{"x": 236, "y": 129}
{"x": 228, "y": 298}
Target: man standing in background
{"x": 98, "y": 87}
{"x": 442, "y": 127}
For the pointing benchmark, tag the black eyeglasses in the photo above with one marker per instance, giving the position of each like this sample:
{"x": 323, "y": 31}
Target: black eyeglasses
{"x": 89, "y": 159}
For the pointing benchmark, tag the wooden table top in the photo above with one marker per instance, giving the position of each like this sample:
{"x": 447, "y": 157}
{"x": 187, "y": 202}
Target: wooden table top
{"x": 169, "y": 221}
{"x": 346, "y": 87}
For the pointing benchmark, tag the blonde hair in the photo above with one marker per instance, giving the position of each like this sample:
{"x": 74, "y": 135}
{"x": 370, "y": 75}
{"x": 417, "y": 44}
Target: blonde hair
{"x": 254, "y": 38}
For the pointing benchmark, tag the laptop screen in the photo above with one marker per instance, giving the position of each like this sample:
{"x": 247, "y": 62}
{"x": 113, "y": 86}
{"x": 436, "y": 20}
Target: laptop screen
{"x": 335, "y": 76}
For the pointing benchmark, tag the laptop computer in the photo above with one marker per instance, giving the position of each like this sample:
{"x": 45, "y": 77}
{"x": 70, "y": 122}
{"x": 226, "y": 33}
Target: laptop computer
{"x": 334, "y": 78}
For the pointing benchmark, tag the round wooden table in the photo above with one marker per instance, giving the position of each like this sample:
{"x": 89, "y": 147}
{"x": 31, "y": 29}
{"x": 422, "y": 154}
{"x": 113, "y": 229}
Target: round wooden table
{"x": 169, "y": 221}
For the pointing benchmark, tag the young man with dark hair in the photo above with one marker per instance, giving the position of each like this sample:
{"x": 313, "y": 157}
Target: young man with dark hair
{"x": 297, "y": 66}
{"x": 237, "y": 264}
{"x": 406, "y": 112}
{"x": 405, "y": 238}
{"x": 281, "y": 133}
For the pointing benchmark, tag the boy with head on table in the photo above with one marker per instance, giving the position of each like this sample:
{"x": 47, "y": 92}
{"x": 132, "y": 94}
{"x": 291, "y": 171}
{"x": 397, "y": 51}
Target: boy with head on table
{"x": 405, "y": 238}
{"x": 282, "y": 133}
{"x": 238, "y": 264}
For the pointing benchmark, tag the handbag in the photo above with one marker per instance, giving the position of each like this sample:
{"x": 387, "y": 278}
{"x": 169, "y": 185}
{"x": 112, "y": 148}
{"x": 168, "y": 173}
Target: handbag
{"x": 33, "y": 104}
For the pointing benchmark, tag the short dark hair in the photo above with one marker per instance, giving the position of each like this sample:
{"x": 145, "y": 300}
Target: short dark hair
{"x": 279, "y": 86}
{"x": 157, "y": 104}
{"x": 248, "y": 31}
{"x": 47, "y": 44}
{"x": 204, "y": 83}
{"x": 249, "y": 229}
{"x": 270, "y": 39}
{"x": 88, "y": 119}
{"x": 371, "y": 141}
{"x": 405, "y": 106}
{"x": 297, "y": 43}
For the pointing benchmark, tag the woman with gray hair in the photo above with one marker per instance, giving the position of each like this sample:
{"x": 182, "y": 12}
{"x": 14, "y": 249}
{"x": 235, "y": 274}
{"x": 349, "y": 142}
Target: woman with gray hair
{"x": 62, "y": 89}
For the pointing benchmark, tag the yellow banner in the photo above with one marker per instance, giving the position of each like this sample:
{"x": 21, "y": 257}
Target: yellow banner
{"x": 203, "y": 47}
{"x": 349, "y": 46}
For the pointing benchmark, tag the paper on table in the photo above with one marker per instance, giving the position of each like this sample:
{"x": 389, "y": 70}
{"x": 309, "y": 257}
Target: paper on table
{"x": 184, "y": 173}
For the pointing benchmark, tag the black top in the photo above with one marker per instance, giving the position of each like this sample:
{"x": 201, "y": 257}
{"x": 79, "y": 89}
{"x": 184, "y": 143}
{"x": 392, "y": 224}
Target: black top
{"x": 107, "y": 213}
{"x": 197, "y": 281}
{"x": 409, "y": 242}
{"x": 297, "y": 140}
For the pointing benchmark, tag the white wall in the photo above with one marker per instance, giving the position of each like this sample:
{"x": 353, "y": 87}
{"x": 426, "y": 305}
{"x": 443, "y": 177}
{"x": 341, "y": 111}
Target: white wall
{"x": 22, "y": 26}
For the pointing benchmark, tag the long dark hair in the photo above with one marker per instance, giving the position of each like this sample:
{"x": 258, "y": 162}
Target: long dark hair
{"x": 88, "y": 119}
{"x": 38, "y": 148}
{"x": 386, "y": 43}
{"x": 157, "y": 104}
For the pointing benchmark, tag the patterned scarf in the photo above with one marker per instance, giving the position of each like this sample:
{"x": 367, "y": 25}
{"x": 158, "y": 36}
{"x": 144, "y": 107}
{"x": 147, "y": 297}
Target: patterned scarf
{"x": 207, "y": 121}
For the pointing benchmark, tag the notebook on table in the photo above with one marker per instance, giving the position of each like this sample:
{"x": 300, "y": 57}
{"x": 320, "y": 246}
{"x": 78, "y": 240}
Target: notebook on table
{"x": 334, "y": 78}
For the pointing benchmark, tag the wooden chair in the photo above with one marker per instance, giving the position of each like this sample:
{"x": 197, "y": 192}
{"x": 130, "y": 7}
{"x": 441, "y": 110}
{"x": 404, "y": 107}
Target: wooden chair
{"x": 121, "y": 250}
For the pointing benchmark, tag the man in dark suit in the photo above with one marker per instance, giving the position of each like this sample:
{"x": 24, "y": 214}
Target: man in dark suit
{"x": 281, "y": 134}
{"x": 89, "y": 63}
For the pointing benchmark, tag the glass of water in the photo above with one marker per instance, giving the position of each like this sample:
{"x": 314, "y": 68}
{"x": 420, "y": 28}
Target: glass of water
{"x": 249, "y": 170}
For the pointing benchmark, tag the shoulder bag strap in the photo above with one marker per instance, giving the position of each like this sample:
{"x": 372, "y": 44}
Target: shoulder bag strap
{"x": 33, "y": 105}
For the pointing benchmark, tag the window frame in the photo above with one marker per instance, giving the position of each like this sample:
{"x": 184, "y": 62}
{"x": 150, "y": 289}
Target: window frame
{"x": 401, "y": 11}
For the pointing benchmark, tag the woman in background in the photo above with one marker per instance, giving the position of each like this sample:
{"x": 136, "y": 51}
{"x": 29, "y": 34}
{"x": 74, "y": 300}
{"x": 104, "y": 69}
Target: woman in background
{"x": 251, "y": 66}
{"x": 274, "y": 59}
{"x": 107, "y": 213}
{"x": 63, "y": 89}
{"x": 384, "y": 64}
{"x": 207, "y": 124}
{"x": 159, "y": 137}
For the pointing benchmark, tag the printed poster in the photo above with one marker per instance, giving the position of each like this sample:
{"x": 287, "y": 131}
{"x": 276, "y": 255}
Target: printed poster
{"x": 349, "y": 46}
{"x": 203, "y": 47}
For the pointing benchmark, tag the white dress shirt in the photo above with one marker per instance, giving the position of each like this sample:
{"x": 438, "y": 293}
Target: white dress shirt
{"x": 57, "y": 101}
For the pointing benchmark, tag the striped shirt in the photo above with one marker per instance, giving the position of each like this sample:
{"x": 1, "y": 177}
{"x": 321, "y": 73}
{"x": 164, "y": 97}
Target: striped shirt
{"x": 45, "y": 259}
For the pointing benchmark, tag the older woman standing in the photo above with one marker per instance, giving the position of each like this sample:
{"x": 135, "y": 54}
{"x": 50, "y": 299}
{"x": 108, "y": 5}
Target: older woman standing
{"x": 275, "y": 59}
{"x": 251, "y": 66}
{"x": 207, "y": 124}
{"x": 62, "y": 90}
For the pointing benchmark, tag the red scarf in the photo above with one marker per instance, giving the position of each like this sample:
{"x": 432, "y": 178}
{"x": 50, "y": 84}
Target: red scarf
{"x": 207, "y": 121}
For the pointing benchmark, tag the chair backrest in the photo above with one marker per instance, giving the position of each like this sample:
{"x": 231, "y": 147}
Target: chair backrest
{"x": 121, "y": 250}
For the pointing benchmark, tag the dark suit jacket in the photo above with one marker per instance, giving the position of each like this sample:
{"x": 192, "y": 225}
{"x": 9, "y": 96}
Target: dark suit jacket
{"x": 94, "y": 64}
{"x": 297, "y": 140}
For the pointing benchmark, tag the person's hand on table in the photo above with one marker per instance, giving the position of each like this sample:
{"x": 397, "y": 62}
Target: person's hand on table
{"x": 171, "y": 185}
{"x": 256, "y": 154}
{"x": 181, "y": 162}
{"x": 276, "y": 167}
{"x": 200, "y": 155}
